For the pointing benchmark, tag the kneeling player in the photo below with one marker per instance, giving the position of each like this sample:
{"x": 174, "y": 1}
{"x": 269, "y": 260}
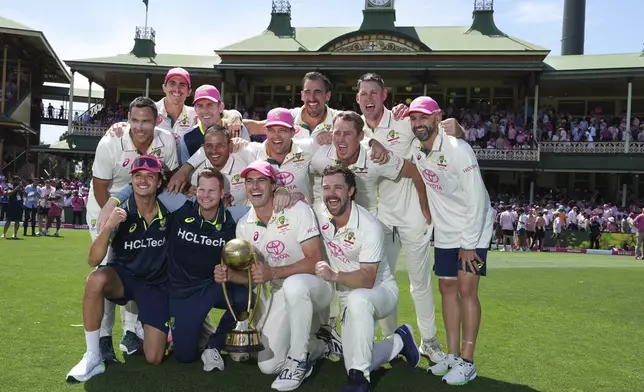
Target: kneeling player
{"x": 136, "y": 269}
{"x": 366, "y": 287}
{"x": 288, "y": 246}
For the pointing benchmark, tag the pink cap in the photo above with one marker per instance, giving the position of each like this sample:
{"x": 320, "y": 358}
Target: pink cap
{"x": 425, "y": 105}
{"x": 146, "y": 162}
{"x": 179, "y": 72}
{"x": 280, "y": 117}
{"x": 208, "y": 92}
{"x": 264, "y": 168}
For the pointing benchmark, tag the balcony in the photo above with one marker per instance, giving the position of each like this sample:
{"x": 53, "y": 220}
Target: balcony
{"x": 88, "y": 130}
{"x": 485, "y": 154}
{"x": 591, "y": 147}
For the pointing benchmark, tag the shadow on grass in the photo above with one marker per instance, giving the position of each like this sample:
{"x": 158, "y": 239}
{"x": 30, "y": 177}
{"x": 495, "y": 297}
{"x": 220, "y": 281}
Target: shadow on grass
{"x": 136, "y": 375}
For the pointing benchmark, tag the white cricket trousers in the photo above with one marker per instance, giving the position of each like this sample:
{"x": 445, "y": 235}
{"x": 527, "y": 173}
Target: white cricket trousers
{"x": 290, "y": 319}
{"x": 129, "y": 312}
{"x": 417, "y": 244}
{"x": 361, "y": 309}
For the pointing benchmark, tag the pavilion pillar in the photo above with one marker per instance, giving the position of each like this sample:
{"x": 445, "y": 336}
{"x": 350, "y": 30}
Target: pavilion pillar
{"x": 4, "y": 77}
{"x": 629, "y": 101}
{"x": 71, "y": 103}
{"x": 535, "y": 112}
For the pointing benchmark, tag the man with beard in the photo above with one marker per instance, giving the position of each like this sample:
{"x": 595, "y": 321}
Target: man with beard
{"x": 366, "y": 286}
{"x": 400, "y": 211}
{"x": 134, "y": 242}
{"x": 14, "y": 194}
{"x": 287, "y": 245}
{"x": 459, "y": 204}
{"x": 114, "y": 156}
{"x": 199, "y": 229}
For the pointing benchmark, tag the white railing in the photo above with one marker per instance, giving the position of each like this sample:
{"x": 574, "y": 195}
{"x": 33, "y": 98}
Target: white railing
{"x": 88, "y": 130}
{"x": 485, "y": 154}
{"x": 592, "y": 147}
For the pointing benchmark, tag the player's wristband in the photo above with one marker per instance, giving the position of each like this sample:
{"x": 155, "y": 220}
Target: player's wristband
{"x": 118, "y": 202}
{"x": 282, "y": 188}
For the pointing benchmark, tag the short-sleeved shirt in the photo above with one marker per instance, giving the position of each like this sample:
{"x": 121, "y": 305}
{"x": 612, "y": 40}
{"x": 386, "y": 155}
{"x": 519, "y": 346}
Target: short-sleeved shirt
{"x": 293, "y": 172}
{"x": 278, "y": 243}
{"x": 141, "y": 248}
{"x": 398, "y": 203}
{"x": 193, "y": 140}
{"x": 368, "y": 173}
{"x": 195, "y": 247}
{"x": 186, "y": 121}
{"x": 44, "y": 192}
{"x": 326, "y": 125}
{"x": 31, "y": 196}
{"x": 234, "y": 188}
{"x": 360, "y": 241}
{"x": 114, "y": 156}
{"x": 458, "y": 199}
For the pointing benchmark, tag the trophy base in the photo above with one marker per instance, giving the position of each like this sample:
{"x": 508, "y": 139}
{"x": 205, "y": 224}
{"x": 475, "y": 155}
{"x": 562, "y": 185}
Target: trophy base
{"x": 247, "y": 341}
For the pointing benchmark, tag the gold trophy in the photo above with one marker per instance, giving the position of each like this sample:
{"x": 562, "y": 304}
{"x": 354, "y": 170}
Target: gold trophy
{"x": 239, "y": 255}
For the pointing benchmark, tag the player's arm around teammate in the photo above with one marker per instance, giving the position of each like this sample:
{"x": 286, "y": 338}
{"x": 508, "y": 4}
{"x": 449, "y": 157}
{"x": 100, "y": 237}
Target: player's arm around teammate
{"x": 366, "y": 287}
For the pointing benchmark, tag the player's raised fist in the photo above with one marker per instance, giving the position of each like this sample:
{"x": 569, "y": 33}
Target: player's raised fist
{"x": 221, "y": 273}
{"x": 452, "y": 128}
{"x": 116, "y": 217}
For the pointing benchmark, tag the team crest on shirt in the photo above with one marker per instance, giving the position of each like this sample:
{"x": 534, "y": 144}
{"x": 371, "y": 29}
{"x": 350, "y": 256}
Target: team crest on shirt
{"x": 282, "y": 224}
{"x": 392, "y": 137}
{"x": 236, "y": 179}
{"x": 162, "y": 224}
{"x": 156, "y": 151}
{"x": 93, "y": 223}
{"x": 184, "y": 122}
{"x": 349, "y": 239}
{"x": 327, "y": 127}
{"x": 442, "y": 163}
{"x": 132, "y": 228}
{"x": 298, "y": 157}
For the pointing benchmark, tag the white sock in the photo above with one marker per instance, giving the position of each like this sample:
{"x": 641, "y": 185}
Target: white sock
{"x": 91, "y": 340}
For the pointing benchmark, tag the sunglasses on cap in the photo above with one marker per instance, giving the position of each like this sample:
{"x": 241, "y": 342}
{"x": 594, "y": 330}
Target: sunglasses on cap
{"x": 145, "y": 162}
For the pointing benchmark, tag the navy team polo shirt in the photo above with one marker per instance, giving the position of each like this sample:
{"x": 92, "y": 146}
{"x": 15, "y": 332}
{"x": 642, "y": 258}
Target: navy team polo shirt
{"x": 196, "y": 246}
{"x": 141, "y": 249}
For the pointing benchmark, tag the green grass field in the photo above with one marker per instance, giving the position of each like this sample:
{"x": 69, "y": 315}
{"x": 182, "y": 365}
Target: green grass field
{"x": 551, "y": 322}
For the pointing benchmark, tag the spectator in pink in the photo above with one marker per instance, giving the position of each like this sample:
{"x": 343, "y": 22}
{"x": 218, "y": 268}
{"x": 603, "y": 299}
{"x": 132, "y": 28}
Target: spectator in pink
{"x": 638, "y": 223}
{"x": 77, "y": 206}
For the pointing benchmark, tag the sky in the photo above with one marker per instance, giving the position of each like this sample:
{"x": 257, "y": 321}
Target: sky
{"x": 106, "y": 28}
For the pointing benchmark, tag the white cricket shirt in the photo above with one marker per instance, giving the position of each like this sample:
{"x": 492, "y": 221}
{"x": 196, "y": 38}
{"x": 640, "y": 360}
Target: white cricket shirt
{"x": 360, "y": 241}
{"x": 184, "y": 124}
{"x": 234, "y": 187}
{"x": 398, "y": 203}
{"x": 114, "y": 156}
{"x": 368, "y": 174}
{"x": 458, "y": 200}
{"x": 279, "y": 242}
{"x": 326, "y": 125}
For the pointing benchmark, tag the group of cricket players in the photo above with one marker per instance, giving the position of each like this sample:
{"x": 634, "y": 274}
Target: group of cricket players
{"x": 327, "y": 202}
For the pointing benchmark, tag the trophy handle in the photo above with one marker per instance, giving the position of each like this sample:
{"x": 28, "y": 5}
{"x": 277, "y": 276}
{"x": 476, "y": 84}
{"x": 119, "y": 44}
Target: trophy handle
{"x": 230, "y": 307}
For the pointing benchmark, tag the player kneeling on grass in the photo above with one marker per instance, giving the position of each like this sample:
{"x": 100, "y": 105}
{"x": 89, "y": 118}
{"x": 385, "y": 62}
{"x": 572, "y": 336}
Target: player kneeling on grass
{"x": 366, "y": 287}
{"x": 287, "y": 245}
{"x": 136, "y": 269}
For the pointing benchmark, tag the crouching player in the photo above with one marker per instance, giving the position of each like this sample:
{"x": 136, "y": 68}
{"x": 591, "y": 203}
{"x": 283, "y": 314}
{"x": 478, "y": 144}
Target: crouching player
{"x": 136, "y": 269}
{"x": 365, "y": 285}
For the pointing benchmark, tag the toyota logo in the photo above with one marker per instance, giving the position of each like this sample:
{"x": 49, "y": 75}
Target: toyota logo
{"x": 275, "y": 247}
{"x": 336, "y": 250}
{"x": 284, "y": 178}
{"x": 430, "y": 177}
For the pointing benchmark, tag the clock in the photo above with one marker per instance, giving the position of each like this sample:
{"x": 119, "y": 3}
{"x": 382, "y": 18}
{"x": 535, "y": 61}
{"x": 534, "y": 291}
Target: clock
{"x": 379, "y": 3}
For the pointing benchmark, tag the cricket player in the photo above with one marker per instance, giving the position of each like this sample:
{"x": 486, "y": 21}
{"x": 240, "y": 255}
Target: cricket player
{"x": 404, "y": 214}
{"x": 367, "y": 289}
{"x": 114, "y": 156}
{"x": 136, "y": 269}
{"x": 459, "y": 205}
{"x": 288, "y": 246}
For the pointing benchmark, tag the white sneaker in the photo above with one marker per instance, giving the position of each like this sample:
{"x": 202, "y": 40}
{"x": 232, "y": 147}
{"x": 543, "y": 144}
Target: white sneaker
{"x": 293, "y": 374}
{"x": 212, "y": 360}
{"x": 431, "y": 348}
{"x": 461, "y": 373}
{"x": 1, "y": 235}
{"x": 89, "y": 366}
{"x": 443, "y": 366}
